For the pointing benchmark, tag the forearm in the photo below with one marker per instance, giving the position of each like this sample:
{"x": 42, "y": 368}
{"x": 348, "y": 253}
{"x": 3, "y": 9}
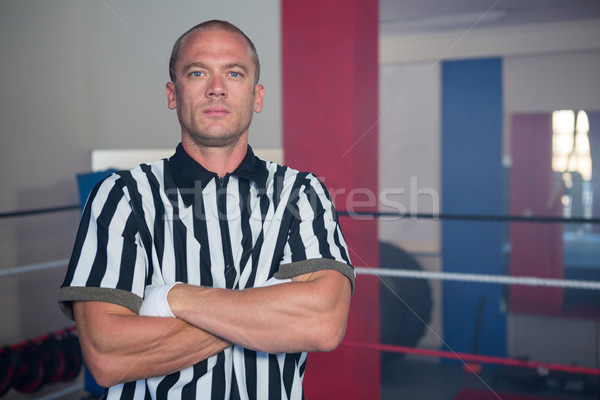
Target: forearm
{"x": 120, "y": 346}
{"x": 304, "y": 315}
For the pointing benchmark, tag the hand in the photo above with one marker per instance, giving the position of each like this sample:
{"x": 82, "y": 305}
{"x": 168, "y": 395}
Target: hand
{"x": 155, "y": 302}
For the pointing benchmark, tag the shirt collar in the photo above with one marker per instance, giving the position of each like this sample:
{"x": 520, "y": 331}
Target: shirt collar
{"x": 190, "y": 175}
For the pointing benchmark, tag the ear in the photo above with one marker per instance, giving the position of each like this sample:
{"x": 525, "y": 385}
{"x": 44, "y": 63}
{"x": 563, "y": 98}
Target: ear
{"x": 259, "y": 94}
{"x": 171, "y": 95}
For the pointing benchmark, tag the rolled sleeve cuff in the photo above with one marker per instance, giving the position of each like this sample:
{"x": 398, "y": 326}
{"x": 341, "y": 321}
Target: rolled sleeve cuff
{"x": 297, "y": 268}
{"x": 68, "y": 294}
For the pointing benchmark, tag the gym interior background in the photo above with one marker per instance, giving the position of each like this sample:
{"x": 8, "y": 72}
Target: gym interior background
{"x": 471, "y": 107}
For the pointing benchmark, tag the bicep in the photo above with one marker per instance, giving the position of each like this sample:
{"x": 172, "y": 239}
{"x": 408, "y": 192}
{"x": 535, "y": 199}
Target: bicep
{"x": 96, "y": 313}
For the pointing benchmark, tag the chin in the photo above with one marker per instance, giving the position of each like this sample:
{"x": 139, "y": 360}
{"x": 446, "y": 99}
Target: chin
{"x": 216, "y": 140}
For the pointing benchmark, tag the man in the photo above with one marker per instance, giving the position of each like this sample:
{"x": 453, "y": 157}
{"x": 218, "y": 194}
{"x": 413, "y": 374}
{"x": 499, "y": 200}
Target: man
{"x": 209, "y": 274}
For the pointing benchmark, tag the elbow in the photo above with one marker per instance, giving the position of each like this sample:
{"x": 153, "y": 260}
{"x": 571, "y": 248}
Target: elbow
{"x": 103, "y": 352}
{"x": 329, "y": 336}
{"x": 100, "y": 367}
{"x": 332, "y": 321}
{"x": 326, "y": 344}
{"x": 102, "y": 377}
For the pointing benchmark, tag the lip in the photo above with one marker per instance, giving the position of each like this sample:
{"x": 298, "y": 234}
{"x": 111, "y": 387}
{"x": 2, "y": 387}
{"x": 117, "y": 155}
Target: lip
{"x": 215, "y": 112}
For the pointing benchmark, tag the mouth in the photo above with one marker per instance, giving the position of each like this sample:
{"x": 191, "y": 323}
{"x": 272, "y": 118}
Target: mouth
{"x": 215, "y": 112}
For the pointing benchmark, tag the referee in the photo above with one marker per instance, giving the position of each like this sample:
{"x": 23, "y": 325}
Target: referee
{"x": 210, "y": 274}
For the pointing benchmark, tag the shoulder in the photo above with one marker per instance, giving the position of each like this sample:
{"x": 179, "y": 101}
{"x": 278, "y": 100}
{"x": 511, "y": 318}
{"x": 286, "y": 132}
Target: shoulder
{"x": 141, "y": 172}
{"x": 143, "y": 175}
{"x": 290, "y": 185}
{"x": 125, "y": 182}
{"x": 289, "y": 177}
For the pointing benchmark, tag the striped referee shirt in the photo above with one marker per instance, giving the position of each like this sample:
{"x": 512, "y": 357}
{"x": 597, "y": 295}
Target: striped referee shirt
{"x": 174, "y": 221}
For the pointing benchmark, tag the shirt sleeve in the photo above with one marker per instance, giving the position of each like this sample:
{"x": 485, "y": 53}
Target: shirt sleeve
{"x": 315, "y": 241}
{"x": 108, "y": 262}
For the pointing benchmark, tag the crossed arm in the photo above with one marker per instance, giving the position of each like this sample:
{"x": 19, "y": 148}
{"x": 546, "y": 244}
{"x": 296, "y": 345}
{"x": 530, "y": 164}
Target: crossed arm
{"x": 307, "y": 314}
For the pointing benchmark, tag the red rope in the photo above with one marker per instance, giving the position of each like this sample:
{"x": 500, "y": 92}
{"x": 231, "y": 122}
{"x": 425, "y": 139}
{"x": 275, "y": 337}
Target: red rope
{"x": 475, "y": 358}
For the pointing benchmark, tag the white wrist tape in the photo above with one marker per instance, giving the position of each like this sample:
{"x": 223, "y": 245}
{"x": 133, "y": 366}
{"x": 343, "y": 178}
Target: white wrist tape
{"x": 155, "y": 302}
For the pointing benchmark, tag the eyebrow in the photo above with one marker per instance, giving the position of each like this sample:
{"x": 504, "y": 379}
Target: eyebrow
{"x": 237, "y": 65}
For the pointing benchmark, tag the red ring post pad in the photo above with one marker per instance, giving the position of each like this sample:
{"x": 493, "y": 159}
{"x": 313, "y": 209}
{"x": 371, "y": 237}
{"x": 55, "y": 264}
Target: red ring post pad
{"x": 330, "y": 94}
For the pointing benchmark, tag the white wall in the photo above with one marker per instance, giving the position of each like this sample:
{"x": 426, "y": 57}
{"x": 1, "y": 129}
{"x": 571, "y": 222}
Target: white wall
{"x": 78, "y": 76}
{"x": 409, "y": 151}
{"x": 409, "y": 167}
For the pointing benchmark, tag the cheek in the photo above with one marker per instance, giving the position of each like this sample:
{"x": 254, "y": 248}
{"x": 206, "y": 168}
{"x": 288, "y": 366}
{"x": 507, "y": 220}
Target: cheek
{"x": 186, "y": 100}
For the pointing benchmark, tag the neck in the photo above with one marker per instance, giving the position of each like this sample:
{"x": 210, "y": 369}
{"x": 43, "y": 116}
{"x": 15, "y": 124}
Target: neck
{"x": 220, "y": 160}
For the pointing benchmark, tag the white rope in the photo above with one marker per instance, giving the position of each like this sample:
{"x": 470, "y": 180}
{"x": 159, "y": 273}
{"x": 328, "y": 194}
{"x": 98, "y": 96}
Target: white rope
{"x": 398, "y": 273}
{"x": 507, "y": 280}
{"x": 34, "y": 267}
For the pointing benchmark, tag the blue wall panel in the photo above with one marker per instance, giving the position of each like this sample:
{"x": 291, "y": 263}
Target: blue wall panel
{"x": 472, "y": 183}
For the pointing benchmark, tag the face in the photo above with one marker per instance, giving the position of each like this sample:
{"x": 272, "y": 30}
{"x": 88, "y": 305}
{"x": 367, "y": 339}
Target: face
{"x": 214, "y": 94}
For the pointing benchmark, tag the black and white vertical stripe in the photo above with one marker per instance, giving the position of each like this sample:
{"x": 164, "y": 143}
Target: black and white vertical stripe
{"x": 140, "y": 227}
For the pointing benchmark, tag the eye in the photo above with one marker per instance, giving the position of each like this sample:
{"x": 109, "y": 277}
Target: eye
{"x": 234, "y": 74}
{"x": 197, "y": 74}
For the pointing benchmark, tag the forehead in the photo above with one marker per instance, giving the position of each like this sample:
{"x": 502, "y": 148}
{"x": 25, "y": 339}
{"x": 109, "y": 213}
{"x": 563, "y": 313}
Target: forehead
{"x": 215, "y": 45}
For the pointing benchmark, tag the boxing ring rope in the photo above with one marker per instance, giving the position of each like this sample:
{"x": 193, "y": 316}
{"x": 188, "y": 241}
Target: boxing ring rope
{"x": 473, "y": 217}
{"x": 14, "y": 351}
{"x": 38, "y": 266}
{"x": 48, "y": 210}
{"x": 34, "y": 267}
{"x": 363, "y": 213}
{"x": 465, "y": 358}
{"x": 394, "y": 273}
{"x": 507, "y": 280}
{"x": 480, "y": 278}
{"x": 477, "y": 358}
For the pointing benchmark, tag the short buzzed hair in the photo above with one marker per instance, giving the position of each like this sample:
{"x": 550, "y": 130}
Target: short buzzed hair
{"x": 213, "y": 25}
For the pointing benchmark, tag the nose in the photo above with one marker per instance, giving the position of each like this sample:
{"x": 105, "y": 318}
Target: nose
{"x": 216, "y": 87}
